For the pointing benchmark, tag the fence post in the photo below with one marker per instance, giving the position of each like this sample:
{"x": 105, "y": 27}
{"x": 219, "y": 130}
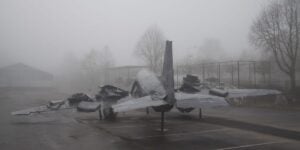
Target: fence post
{"x": 177, "y": 81}
{"x": 249, "y": 78}
{"x": 203, "y": 72}
{"x": 128, "y": 74}
{"x": 254, "y": 71}
{"x": 238, "y": 70}
{"x": 270, "y": 74}
{"x": 219, "y": 73}
{"x": 232, "y": 72}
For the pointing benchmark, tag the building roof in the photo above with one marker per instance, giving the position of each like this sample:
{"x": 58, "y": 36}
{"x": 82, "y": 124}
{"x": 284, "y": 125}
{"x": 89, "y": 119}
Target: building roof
{"x": 24, "y": 72}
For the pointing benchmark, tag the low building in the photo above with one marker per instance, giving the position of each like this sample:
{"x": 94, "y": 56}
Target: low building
{"x": 21, "y": 75}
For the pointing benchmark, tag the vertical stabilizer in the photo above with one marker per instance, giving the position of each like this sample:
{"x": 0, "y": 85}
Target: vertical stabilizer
{"x": 168, "y": 73}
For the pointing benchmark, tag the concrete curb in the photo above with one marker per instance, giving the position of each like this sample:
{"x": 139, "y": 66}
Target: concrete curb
{"x": 280, "y": 132}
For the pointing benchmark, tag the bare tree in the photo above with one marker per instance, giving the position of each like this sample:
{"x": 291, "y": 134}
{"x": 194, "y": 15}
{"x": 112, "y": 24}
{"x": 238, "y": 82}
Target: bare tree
{"x": 211, "y": 50}
{"x": 95, "y": 65}
{"x": 262, "y": 68}
{"x": 98, "y": 60}
{"x": 150, "y": 48}
{"x": 277, "y": 30}
{"x": 89, "y": 62}
{"x": 106, "y": 58}
{"x": 187, "y": 64}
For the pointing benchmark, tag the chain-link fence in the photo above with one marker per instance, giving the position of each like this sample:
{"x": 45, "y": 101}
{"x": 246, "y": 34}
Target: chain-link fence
{"x": 250, "y": 74}
{"x": 240, "y": 74}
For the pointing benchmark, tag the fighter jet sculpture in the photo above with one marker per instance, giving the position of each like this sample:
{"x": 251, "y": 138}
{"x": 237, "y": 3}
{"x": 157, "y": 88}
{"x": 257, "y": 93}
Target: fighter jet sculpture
{"x": 148, "y": 91}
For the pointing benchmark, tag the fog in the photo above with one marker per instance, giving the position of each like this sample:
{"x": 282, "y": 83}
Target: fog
{"x": 149, "y": 74}
{"x": 41, "y": 33}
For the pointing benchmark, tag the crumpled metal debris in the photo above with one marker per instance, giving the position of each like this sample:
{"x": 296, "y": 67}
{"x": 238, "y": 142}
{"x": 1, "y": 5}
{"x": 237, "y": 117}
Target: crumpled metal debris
{"x": 191, "y": 84}
{"x": 56, "y": 104}
{"x": 79, "y": 97}
{"x": 109, "y": 92}
{"x": 88, "y": 106}
{"x": 81, "y": 101}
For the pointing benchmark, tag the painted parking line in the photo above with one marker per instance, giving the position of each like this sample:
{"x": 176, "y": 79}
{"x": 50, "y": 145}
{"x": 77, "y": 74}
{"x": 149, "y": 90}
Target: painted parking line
{"x": 137, "y": 126}
{"x": 128, "y": 126}
{"x": 252, "y": 145}
{"x": 179, "y": 134}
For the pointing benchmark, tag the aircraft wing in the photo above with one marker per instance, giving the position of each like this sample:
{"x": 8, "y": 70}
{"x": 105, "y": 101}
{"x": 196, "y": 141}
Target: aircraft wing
{"x": 52, "y": 106}
{"x": 198, "y": 100}
{"x": 59, "y": 105}
{"x": 233, "y": 93}
{"x": 136, "y": 103}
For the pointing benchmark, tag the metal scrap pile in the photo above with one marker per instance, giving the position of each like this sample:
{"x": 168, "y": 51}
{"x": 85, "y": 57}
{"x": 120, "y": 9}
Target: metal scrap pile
{"x": 107, "y": 95}
{"x": 109, "y": 92}
{"x": 191, "y": 84}
{"x": 79, "y": 97}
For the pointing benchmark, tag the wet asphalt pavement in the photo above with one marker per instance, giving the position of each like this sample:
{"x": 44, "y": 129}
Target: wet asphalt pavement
{"x": 69, "y": 129}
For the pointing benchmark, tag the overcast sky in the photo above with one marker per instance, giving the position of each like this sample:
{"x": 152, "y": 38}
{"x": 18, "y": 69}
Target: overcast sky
{"x": 41, "y": 32}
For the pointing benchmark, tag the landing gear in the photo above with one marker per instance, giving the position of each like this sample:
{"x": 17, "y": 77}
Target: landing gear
{"x": 162, "y": 109}
{"x": 100, "y": 114}
{"x": 107, "y": 114}
{"x": 162, "y": 121}
{"x": 185, "y": 110}
{"x": 200, "y": 113}
{"x": 147, "y": 110}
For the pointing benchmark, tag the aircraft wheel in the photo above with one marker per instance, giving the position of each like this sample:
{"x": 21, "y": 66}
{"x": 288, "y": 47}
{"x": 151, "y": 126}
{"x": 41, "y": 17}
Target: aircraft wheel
{"x": 200, "y": 113}
{"x": 185, "y": 110}
{"x": 163, "y": 108}
{"x": 109, "y": 114}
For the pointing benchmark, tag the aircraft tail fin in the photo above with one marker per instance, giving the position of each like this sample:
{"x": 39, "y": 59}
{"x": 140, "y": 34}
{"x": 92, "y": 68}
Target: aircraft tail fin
{"x": 168, "y": 73}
